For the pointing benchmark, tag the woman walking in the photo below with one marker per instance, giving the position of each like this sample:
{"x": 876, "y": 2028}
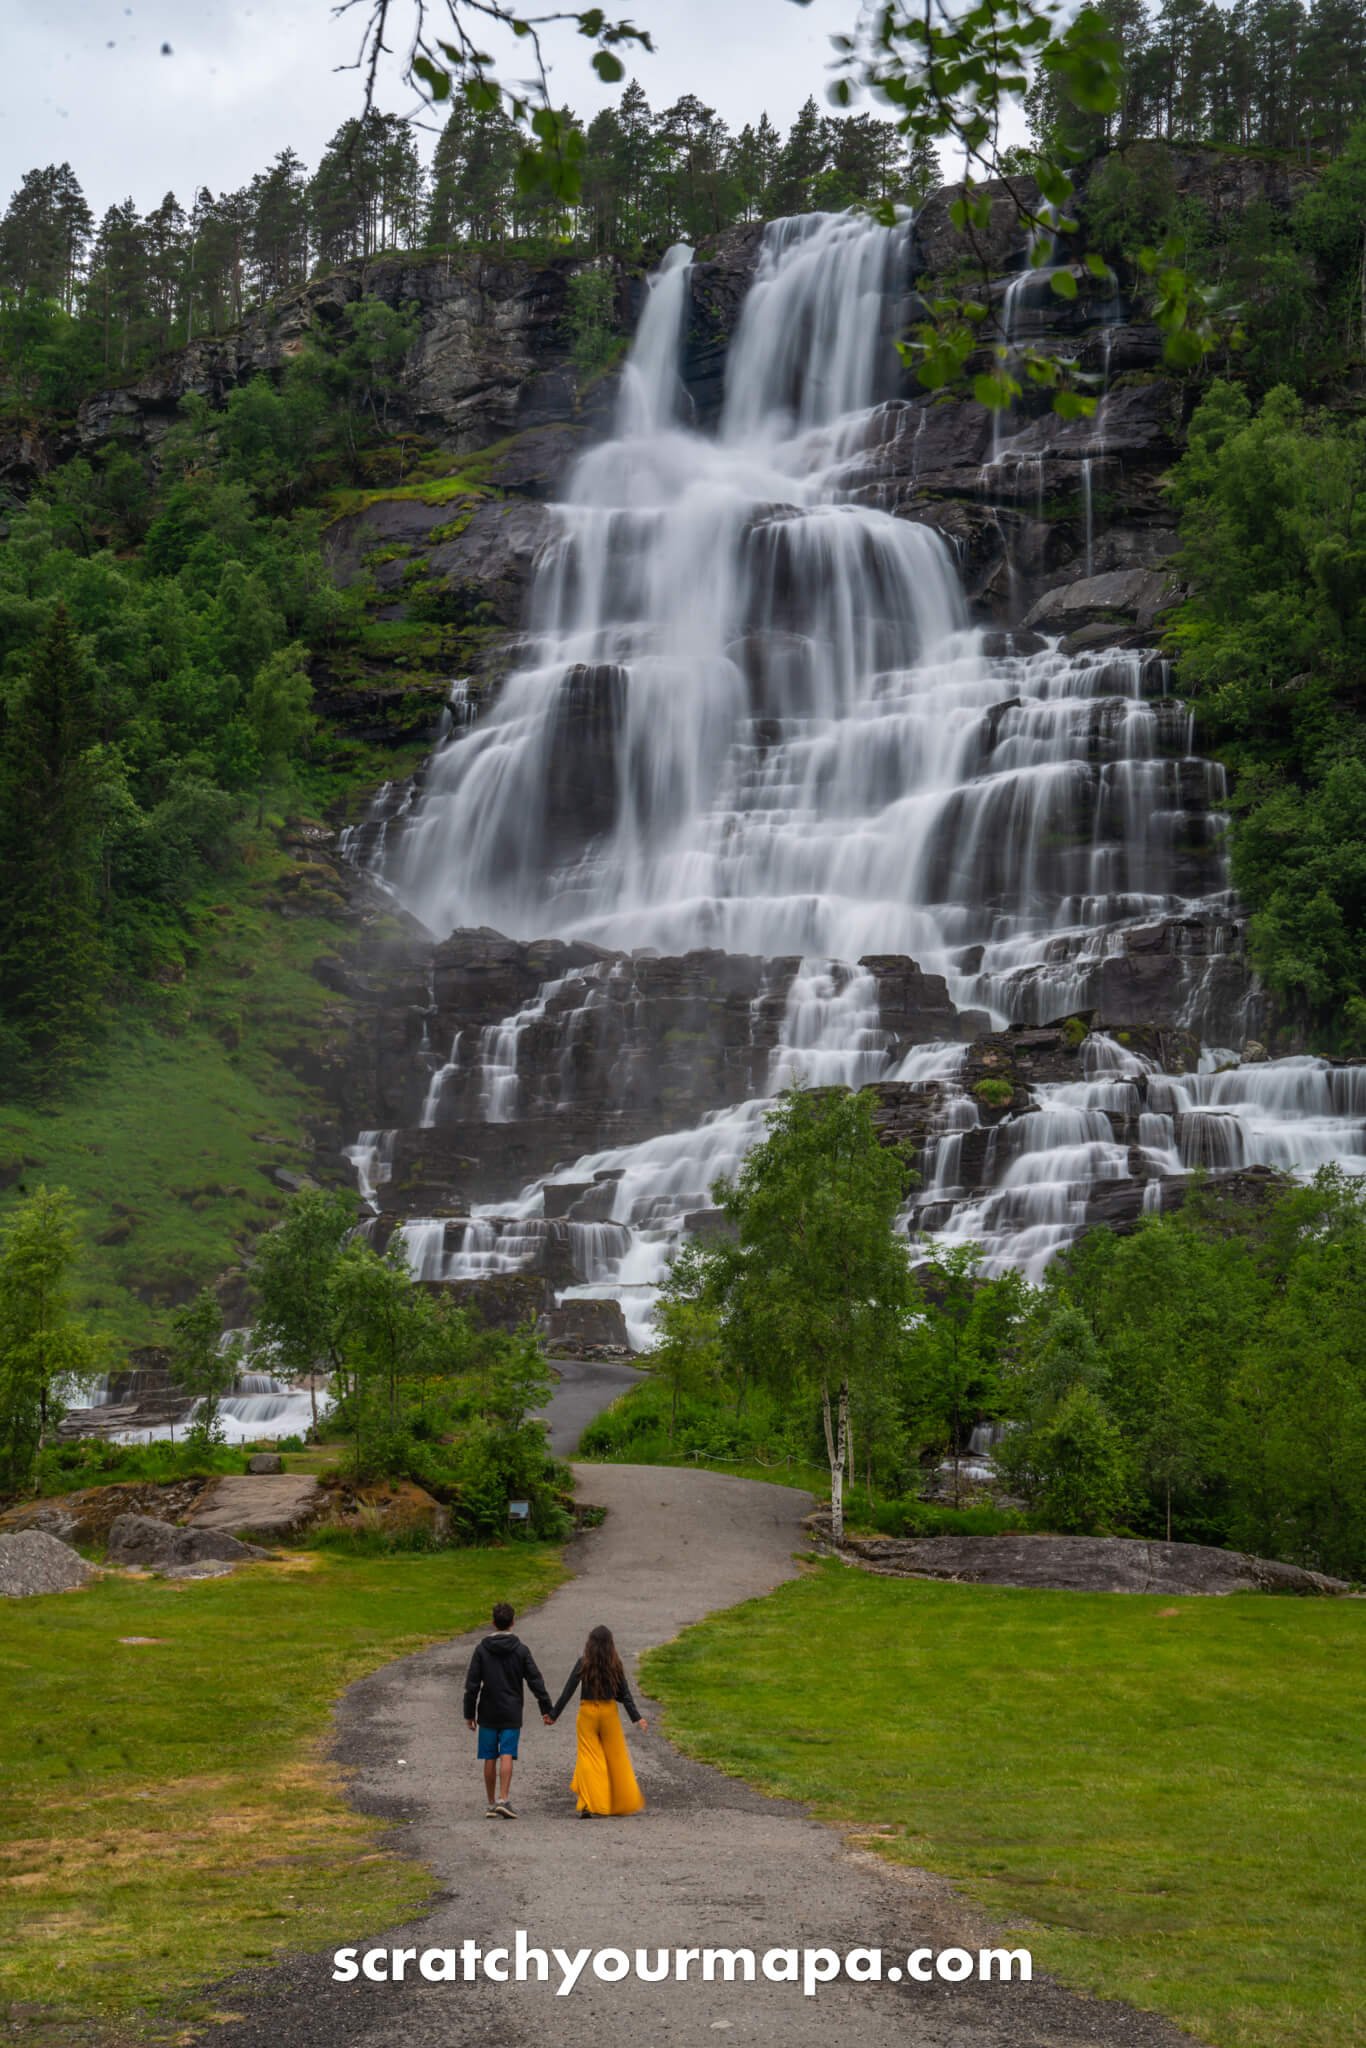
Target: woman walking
{"x": 603, "y": 1781}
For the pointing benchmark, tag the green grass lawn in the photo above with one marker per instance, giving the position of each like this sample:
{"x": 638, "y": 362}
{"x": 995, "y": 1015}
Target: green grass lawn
{"x": 165, "y": 1812}
{"x": 1166, "y": 1793}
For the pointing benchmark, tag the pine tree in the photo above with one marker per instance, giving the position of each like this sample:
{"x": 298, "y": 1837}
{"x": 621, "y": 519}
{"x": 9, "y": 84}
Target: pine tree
{"x": 804, "y": 157}
{"x": 54, "y": 958}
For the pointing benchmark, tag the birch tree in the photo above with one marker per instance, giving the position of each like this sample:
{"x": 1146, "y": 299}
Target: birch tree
{"x": 819, "y": 1289}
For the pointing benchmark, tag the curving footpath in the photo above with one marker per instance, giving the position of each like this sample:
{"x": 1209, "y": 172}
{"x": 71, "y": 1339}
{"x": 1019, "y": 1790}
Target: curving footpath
{"x": 711, "y": 1864}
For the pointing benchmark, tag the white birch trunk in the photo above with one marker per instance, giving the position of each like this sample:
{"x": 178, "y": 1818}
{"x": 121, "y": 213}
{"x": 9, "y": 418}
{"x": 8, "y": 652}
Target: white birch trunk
{"x": 837, "y": 1450}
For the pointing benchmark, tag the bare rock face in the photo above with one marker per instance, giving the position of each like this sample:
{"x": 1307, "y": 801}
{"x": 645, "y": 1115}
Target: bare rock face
{"x": 500, "y": 1301}
{"x": 273, "y": 1507}
{"x": 940, "y": 246}
{"x": 1086, "y": 1564}
{"x": 622, "y": 1047}
{"x": 1132, "y": 599}
{"x": 140, "y": 1540}
{"x": 491, "y": 355}
{"x": 32, "y": 1561}
{"x": 584, "y": 1328}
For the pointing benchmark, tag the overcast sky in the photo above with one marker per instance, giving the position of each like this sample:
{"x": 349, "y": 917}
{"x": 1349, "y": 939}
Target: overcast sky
{"x": 85, "y": 81}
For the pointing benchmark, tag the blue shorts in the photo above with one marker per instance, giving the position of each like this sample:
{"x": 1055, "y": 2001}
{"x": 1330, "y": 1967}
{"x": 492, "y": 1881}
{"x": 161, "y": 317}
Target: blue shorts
{"x": 495, "y": 1742}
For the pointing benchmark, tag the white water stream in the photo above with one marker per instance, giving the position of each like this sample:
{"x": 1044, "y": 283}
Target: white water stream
{"x": 803, "y": 750}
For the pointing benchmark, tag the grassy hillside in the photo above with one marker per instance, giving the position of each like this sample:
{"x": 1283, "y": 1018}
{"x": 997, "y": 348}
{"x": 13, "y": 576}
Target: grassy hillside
{"x": 168, "y": 1146}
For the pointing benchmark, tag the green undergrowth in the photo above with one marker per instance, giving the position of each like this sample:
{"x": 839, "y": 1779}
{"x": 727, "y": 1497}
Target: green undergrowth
{"x": 761, "y": 1443}
{"x": 200, "y": 1092}
{"x": 167, "y": 1817}
{"x": 1160, "y": 1797}
{"x": 91, "y": 1461}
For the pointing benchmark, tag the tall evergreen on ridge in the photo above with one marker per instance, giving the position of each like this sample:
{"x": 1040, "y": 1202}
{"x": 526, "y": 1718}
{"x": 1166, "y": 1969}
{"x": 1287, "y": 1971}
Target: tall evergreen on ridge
{"x": 54, "y": 957}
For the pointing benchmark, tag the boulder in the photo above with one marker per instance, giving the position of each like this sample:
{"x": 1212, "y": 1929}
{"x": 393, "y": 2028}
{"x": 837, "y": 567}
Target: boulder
{"x": 1086, "y": 1564}
{"x": 138, "y": 1540}
{"x": 1132, "y": 598}
{"x": 32, "y": 1562}
{"x": 273, "y": 1506}
{"x": 265, "y": 1461}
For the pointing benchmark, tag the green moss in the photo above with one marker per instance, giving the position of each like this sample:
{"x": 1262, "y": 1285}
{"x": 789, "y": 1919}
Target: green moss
{"x": 1075, "y": 1030}
{"x": 994, "y": 1093}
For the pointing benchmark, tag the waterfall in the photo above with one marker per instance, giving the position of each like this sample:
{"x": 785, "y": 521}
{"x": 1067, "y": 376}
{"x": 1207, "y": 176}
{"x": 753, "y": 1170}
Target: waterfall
{"x": 752, "y": 715}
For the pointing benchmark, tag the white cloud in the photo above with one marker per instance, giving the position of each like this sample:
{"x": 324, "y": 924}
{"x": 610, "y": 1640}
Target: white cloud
{"x": 85, "y": 81}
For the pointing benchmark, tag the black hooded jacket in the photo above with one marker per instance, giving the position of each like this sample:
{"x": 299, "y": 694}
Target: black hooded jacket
{"x": 499, "y": 1669}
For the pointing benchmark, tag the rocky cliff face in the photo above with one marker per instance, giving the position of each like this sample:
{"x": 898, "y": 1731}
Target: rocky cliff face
{"x": 491, "y": 355}
{"x": 477, "y": 1063}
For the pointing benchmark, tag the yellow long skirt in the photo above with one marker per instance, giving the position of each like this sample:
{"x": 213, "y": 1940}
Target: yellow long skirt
{"x": 603, "y": 1780}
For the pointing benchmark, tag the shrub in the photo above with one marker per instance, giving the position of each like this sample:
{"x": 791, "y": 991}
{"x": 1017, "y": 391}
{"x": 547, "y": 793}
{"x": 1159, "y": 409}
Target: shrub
{"x": 92, "y": 1461}
{"x": 993, "y": 1092}
{"x": 927, "y": 1518}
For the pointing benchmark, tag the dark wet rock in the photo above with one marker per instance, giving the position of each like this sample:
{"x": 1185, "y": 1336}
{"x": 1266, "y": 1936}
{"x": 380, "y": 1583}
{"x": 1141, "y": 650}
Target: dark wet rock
{"x": 1134, "y": 599}
{"x": 586, "y": 1328}
{"x": 1086, "y": 1564}
{"x": 500, "y": 1301}
{"x": 940, "y": 246}
{"x": 914, "y": 1007}
{"x": 151, "y": 1545}
{"x": 1152, "y": 980}
{"x": 721, "y": 276}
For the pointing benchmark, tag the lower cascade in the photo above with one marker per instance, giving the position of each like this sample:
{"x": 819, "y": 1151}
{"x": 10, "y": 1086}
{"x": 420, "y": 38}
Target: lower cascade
{"x": 761, "y": 806}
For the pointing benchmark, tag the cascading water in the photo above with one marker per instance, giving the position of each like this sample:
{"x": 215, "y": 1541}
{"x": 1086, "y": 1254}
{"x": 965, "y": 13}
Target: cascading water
{"x": 801, "y": 750}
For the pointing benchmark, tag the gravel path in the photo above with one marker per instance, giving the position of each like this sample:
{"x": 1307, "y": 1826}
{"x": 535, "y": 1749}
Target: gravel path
{"x": 709, "y": 1864}
{"x": 582, "y": 1391}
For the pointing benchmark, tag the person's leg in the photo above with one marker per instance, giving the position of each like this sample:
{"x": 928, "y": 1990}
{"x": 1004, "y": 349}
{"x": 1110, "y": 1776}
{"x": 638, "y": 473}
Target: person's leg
{"x": 507, "y": 1753}
{"x": 590, "y": 1784}
{"x": 625, "y": 1795}
{"x": 488, "y": 1757}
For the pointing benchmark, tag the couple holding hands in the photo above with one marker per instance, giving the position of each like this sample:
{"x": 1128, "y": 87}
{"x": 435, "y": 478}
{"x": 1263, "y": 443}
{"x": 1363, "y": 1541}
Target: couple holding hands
{"x": 501, "y": 1667}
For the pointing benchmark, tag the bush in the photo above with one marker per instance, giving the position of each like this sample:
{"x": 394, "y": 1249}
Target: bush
{"x": 927, "y": 1518}
{"x": 994, "y": 1093}
{"x": 635, "y": 1430}
{"x": 92, "y": 1461}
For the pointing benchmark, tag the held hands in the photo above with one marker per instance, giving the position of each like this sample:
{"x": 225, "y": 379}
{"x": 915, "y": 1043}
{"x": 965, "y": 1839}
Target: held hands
{"x": 643, "y": 1725}
{"x": 471, "y": 1724}
{"x": 549, "y": 1720}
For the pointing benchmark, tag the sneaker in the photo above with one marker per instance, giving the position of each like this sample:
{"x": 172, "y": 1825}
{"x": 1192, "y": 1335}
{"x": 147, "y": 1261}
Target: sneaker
{"x": 504, "y": 1811}
{"x": 491, "y": 1813}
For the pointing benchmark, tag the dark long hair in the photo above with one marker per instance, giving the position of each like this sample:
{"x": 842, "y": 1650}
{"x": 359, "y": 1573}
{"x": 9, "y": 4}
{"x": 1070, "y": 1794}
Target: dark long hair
{"x": 602, "y": 1672}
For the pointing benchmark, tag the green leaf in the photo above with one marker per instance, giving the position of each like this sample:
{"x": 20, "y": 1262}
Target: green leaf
{"x": 1183, "y": 349}
{"x": 610, "y": 69}
{"x": 482, "y": 95}
{"x": 1096, "y": 264}
{"x": 1063, "y": 284}
{"x": 437, "y": 81}
{"x": 1071, "y": 405}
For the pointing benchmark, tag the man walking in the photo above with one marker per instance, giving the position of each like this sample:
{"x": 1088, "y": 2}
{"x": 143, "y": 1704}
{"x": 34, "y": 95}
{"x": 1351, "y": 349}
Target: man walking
{"x": 499, "y": 1669}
